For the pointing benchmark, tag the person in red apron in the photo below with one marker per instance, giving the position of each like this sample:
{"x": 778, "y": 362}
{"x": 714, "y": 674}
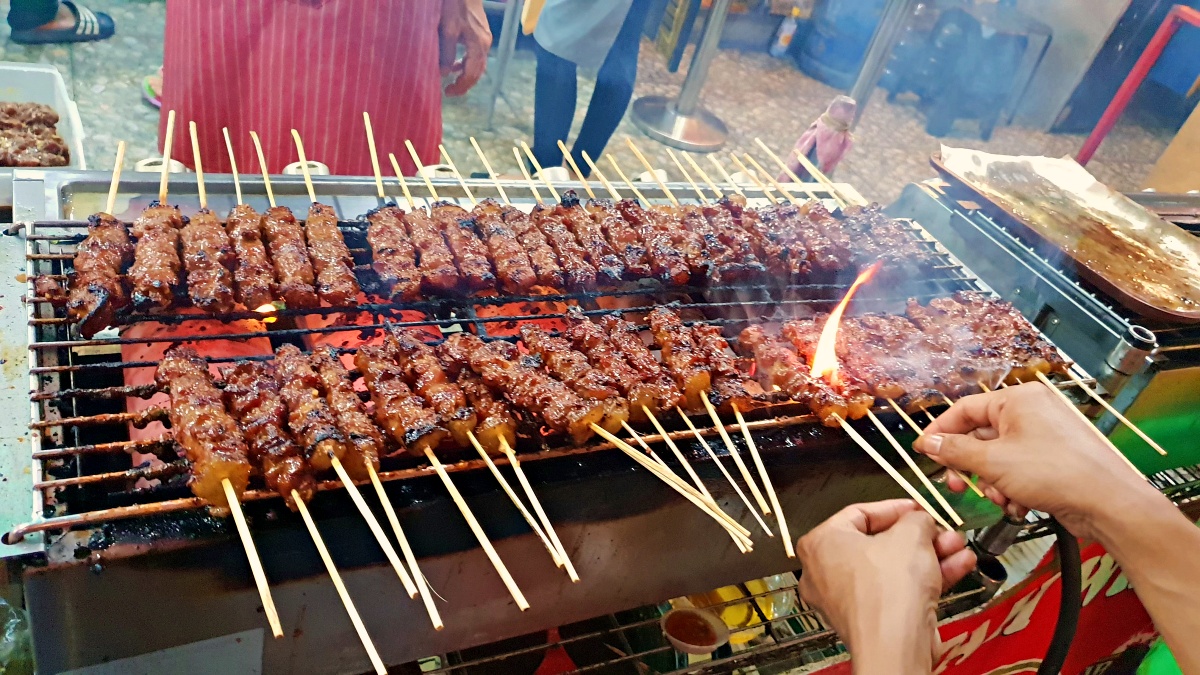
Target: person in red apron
{"x": 316, "y": 66}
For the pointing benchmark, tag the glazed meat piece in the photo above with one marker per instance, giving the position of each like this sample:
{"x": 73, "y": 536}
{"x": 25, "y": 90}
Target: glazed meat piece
{"x": 309, "y": 416}
{"x": 155, "y": 274}
{"x": 524, "y": 385}
{"x": 253, "y": 273}
{"x": 424, "y": 374}
{"x": 577, "y": 271}
{"x": 779, "y": 244}
{"x": 804, "y": 334}
{"x": 397, "y": 409}
{"x": 622, "y": 237}
{"x": 365, "y": 443}
{"x": 624, "y": 337}
{"x": 656, "y": 393}
{"x": 666, "y": 260}
{"x": 572, "y": 368}
{"x": 331, "y": 260}
{"x": 97, "y": 288}
{"x": 730, "y": 386}
{"x": 206, "y": 433}
{"x": 252, "y": 395}
{"x": 590, "y": 237}
{"x": 289, "y": 255}
{"x": 470, "y": 253}
{"x": 685, "y": 363}
{"x": 542, "y": 257}
{"x": 392, "y": 254}
{"x": 738, "y": 246}
{"x": 512, "y": 262}
{"x": 496, "y": 426}
{"x": 209, "y": 260}
{"x": 779, "y": 367}
{"x": 435, "y": 262}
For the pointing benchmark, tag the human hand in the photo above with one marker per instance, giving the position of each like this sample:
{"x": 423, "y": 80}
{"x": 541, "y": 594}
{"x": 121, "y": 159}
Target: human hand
{"x": 463, "y": 23}
{"x": 1030, "y": 450}
{"x": 876, "y": 571}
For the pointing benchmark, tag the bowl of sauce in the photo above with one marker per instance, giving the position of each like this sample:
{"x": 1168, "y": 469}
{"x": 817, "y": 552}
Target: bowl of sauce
{"x": 694, "y": 631}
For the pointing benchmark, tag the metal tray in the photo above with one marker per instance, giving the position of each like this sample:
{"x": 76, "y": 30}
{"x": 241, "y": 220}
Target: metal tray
{"x": 1120, "y": 289}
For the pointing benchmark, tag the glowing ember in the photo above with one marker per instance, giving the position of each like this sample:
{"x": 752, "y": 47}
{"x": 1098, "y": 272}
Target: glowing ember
{"x": 825, "y": 363}
{"x": 269, "y": 308}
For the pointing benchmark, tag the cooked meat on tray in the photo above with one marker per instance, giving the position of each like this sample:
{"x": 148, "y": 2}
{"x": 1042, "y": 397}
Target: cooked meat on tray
{"x": 364, "y": 441}
{"x": 97, "y": 286}
{"x": 207, "y": 434}
{"x": 28, "y": 136}
{"x": 392, "y": 254}
{"x": 331, "y": 260}
{"x": 156, "y": 272}
{"x": 289, "y": 254}
{"x": 252, "y": 394}
{"x": 253, "y": 274}
{"x": 310, "y": 417}
{"x": 208, "y": 259}
{"x": 402, "y": 413}
{"x": 666, "y": 260}
{"x": 425, "y": 375}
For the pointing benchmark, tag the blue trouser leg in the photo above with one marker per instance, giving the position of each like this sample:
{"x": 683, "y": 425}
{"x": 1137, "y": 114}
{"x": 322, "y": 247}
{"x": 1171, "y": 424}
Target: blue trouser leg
{"x": 553, "y": 106}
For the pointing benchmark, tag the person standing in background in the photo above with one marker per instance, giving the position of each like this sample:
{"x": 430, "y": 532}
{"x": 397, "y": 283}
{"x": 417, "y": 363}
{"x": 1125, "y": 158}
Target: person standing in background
{"x": 587, "y": 33}
{"x": 316, "y": 66}
{"x": 39, "y": 22}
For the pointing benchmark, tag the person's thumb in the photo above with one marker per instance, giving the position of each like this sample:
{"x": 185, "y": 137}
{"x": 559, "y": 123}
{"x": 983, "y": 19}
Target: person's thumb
{"x": 958, "y": 451}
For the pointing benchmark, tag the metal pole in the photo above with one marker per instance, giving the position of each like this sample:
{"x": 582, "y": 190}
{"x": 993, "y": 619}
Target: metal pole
{"x": 693, "y": 82}
{"x": 891, "y": 23}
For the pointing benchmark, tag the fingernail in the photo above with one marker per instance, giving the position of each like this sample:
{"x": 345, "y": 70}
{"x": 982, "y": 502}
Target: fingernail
{"x": 932, "y": 445}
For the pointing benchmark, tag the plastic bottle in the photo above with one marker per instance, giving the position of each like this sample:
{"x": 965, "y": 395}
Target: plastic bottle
{"x": 783, "y": 36}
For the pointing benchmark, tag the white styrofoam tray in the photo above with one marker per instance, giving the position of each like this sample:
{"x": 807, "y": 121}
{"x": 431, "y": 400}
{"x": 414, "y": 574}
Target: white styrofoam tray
{"x": 41, "y": 83}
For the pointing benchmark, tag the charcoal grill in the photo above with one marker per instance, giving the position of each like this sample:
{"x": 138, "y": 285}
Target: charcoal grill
{"x": 101, "y": 537}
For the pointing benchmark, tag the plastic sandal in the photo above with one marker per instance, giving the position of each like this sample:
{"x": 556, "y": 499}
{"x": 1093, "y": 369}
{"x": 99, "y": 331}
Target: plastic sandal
{"x": 89, "y": 27}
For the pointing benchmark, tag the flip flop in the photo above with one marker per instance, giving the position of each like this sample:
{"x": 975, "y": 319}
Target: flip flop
{"x": 89, "y": 27}
{"x": 149, "y": 95}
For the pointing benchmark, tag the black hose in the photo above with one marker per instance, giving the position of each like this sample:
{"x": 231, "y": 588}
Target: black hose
{"x": 1071, "y": 604}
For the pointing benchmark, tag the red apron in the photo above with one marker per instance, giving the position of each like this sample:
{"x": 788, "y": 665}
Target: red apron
{"x": 311, "y": 65}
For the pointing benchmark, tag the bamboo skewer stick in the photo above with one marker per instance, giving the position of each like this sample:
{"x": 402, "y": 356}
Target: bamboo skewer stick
{"x": 312, "y": 194}
{"x": 355, "y": 619}
{"x": 704, "y": 175}
{"x": 116, "y": 179}
{"x": 373, "y": 524}
{"x": 921, "y": 432}
{"x": 166, "y": 160}
{"x": 412, "y": 204}
{"x": 984, "y": 387}
{"x": 541, "y": 174}
{"x": 256, "y": 568}
{"x": 646, "y": 163}
{"x": 199, "y": 166}
{"x": 636, "y": 192}
{"x": 677, "y": 484}
{"x": 821, "y": 177}
{"x": 412, "y": 152}
{"x": 477, "y": 529}
{"x": 575, "y": 167}
{"x": 725, "y": 174}
{"x": 537, "y": 507}
{"x": 1099, "y": 434}
{"x": 528, "y": 179}
{"x": 913, "y": 465}
{"x": 725, "y": 472}
{"x": 788, "y": 548}
{"x": 1115, "y": 413}
{"x": 737, "y": 458}
{"x": 374, "y": 155}
{"x": 604, "y": 181}
{"x": 457, "y": 175}
{"x": 687, "y": 176}
{"x": 237, "y": 182}
{"x": 687, "y": 466}
{"x": 712, "y": 504}
{"x": 786, "y": 169}
{"x": 891, "y": 471}
{"x": 262, "y": 165}
{"x": 406, "y": 550}
{"x": 491, "y": 174}
{"x": 754, "y": 178}
{"x": 774, "y": 183}
{"x": 533, "y": 524}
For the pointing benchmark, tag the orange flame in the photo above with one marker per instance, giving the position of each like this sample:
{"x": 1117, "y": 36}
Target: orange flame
{"x": 268, "y": 308}
{"x": 825, "y": 362}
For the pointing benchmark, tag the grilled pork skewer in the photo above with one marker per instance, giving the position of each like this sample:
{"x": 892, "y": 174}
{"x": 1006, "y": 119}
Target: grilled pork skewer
{"x": 780, "y": 367}
{"x": 365, "y": 443}
{"x": 578, "y": 273}
{"x": 513, "y": 267}
{"x": 436, "y": 262}
{"x": 155, "y": 273}
{"x": 289, "y": 255}
{"x": 330, "y": 257}
{"x": 208, "y": 259}
{"x": 397, "y": 409}
{"x": 470, "y": 254}
{"x": 590, "y": 236}
{"x": 680, "y": 355}
{"x": 252, "y": 395}
{"x": 729, "y": 383}
{"x": 424, "y": 374}
{"x": 253, "y": 274}
{"x": 309, "y": 416}
{"x": 97, "y": 289}
{"x": 392, "y": 254}
{"x": 208, "y": 435}
{"x": 804, "y": 336}
{"x": 572, "y": 368}
{"x": 495, "y": 425}
{"x": 542, "y": 257}
{"x": 622, "y": 237}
